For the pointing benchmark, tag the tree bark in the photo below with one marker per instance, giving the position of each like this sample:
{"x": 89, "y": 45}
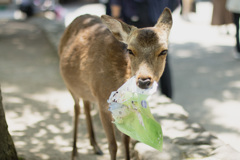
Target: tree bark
{"x": 7, "y": 148}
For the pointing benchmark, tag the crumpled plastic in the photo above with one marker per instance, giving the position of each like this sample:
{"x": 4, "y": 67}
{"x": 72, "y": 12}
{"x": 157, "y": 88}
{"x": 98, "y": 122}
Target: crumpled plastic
{"x": 132, "y": 115}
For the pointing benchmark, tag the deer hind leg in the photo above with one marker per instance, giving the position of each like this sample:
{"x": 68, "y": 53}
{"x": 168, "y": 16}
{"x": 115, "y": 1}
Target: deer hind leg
{"x": 75, "y": 131}
{"x": 125, "y": 141}
{"x": 106, "y": 119}
{"x": 87, "y": 109}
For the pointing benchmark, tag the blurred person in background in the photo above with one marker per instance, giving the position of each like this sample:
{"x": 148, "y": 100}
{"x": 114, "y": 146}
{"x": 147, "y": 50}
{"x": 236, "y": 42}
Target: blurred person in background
{"x": 188, "y": 6}
{"x": 145, "y": 13}
{"x": 220, "y": 15}
{"x": 27, "y": 7}
{"x": 234, "y": 7}
{"x": 35, "y": 7}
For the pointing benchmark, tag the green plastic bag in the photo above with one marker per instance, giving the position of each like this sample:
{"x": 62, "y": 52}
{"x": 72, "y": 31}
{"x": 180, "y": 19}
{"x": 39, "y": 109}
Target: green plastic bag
{"x": 132, "y": 114}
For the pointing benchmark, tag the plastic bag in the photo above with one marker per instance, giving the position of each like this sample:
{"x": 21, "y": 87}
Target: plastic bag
{"x": 132, "y": 116}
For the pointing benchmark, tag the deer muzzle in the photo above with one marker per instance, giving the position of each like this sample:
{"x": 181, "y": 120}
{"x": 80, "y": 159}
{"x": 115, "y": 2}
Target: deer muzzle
{"x": 144, "y": 83}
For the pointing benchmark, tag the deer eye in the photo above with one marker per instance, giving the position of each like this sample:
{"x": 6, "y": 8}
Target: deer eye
{"x": 164, "y": 52}
{"x": 130, "y": 52}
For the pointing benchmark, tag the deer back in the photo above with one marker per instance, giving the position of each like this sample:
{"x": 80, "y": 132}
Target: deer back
{"x": 93, "y": 62}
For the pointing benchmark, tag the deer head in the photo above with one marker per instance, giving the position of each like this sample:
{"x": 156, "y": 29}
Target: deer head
{"x": 147, "y": 47}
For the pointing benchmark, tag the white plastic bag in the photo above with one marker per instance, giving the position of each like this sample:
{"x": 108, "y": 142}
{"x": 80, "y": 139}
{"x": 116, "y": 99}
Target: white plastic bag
{"x": 132, "y": 115}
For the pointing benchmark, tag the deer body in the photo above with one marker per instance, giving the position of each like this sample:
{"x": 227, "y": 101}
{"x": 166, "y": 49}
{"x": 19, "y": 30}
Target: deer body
{"x": 89, "y": 66}
{"x": 96, "y": 60}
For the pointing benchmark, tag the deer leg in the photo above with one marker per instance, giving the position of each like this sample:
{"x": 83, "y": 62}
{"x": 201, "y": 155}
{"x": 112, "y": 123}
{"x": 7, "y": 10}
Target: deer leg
{"x": 126, "y": 140}
{"x": 75, "y": 132}
{"x": 93, "y": 142}
{"x": 106, "y": 119}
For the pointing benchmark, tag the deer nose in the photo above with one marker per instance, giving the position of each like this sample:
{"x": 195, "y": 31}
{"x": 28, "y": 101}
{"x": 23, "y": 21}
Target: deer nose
{"x": 144, "y": 83}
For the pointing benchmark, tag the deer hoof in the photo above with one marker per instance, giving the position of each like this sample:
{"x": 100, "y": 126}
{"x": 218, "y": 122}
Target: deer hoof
{"x": 74, "y": 154}
{"x": 97, "y": 150}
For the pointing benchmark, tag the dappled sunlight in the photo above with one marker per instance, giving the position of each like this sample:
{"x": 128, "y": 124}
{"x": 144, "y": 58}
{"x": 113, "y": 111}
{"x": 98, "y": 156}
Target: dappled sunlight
{"x": 13, "y": 100}
{"x": 223, "y": 118}
{"x": 41, "y": 124}
{"x": 45, "y": 131}
{"x": 171, "y": 131}
{"x": 235, "y": 84}
{"x": 27, "y": 117}
{"x": 205, "y": 75}
{"x": 184, "y": 54}
{"x": 61, "y": 99}
{"x": 7, "y": 88}
{"x": 229, "y": 73}
{"x": 220, "y": 110}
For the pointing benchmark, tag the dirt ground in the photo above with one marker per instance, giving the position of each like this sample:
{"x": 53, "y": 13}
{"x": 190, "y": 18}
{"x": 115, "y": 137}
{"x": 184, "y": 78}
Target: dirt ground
{"x": 38, "y": 107}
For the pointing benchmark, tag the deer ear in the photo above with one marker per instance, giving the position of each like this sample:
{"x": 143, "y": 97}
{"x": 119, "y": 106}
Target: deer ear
{"x": 165, "y": 20}
{"x": 119, "y": 29}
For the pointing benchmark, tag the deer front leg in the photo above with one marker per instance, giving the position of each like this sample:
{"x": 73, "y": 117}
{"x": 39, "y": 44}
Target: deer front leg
{"x": 125, "y": 141}
{"x": 106, "y": 119}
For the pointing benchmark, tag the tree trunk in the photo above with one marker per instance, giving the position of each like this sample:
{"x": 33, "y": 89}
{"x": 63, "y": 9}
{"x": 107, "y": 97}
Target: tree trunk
{"x": 7, "y": 148}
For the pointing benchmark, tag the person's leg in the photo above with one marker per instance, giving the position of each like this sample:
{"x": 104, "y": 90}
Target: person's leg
{"x": 186, "y": 9}
{"x": 236, "y": 53}
{"x": 108, "y": 8}
{"x": 236, "y": 22}
{"x": 166, "y": 81}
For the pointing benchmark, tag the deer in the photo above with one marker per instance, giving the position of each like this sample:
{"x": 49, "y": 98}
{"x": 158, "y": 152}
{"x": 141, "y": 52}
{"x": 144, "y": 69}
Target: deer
{"x": 98, "y": 55}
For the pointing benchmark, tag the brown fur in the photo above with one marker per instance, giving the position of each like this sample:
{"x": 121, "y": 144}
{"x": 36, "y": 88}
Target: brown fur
{"x": 147, "y": 37}
{"x": 93, "y": 63}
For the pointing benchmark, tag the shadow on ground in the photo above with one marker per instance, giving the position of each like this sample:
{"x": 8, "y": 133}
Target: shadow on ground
{"x": 207, "y": 85}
